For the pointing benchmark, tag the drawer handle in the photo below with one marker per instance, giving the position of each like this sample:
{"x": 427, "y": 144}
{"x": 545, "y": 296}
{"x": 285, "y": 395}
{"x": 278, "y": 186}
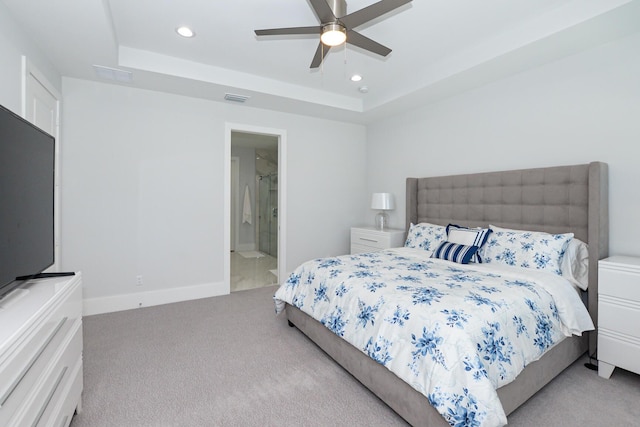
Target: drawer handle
{"x": 369, "y": 240}
{"x": 33, "y": 360}
{"x": 51, "y": 393}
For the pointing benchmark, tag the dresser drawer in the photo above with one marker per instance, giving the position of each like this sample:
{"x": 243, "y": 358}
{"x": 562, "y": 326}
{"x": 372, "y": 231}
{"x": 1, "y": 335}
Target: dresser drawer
{"x": 619, "y": 283}
{"x": 372, "y": 240}
{"x": 26, "y": 362}
{"x": 49, "y": 403}
{"x": 67, "y": 400}
{"x": 27, "y": 370}
{"x": 620, "y": 315}
{"x": 35, "y": 339}
{"x": 618, "y": 350}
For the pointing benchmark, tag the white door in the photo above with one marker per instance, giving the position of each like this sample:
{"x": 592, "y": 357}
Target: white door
{"x": 42, "y": 108}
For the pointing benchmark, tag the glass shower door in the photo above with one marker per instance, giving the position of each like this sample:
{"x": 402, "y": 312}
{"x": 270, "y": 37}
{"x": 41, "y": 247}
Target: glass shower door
{"x": 268, "y": 210}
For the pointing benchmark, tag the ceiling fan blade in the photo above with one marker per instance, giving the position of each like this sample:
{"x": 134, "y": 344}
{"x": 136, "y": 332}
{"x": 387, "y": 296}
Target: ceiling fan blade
{"x": 323, "y": 11}
{"x": 289, "y": 31}
{"x": 369, "y": 13}
{"x": 321, "y": 52}
{"x": 366, "y": 43}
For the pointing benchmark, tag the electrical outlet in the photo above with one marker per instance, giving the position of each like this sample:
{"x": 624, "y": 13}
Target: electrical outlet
{"x": 139, "y": 280}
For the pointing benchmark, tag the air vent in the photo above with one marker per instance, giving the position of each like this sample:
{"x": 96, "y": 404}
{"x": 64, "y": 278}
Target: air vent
{"x": 114, "y": 74}
{"x": 235, "y": 98}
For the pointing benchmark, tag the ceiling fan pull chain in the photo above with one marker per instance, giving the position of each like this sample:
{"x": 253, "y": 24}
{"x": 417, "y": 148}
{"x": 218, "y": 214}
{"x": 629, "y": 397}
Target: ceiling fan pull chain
{"x": 345, "y": 61}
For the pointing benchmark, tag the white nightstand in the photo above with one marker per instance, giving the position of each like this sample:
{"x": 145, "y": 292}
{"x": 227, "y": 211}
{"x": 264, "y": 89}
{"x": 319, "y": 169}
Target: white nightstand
{"x": 618, "y": 314}
{"x": 370, "y": 239}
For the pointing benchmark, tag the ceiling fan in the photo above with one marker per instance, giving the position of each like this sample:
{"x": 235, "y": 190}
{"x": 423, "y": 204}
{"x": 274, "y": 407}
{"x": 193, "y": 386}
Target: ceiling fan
{"x": 336, "y": 27}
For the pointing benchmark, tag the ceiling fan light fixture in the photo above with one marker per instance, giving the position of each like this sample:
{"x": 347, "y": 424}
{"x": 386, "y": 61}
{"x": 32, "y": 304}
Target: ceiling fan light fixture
{"x": 333, "y": 34}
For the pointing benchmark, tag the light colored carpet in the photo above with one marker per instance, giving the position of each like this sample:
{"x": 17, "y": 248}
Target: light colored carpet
{"x": 251, "y": 254}
{"x": 229, "y": 361}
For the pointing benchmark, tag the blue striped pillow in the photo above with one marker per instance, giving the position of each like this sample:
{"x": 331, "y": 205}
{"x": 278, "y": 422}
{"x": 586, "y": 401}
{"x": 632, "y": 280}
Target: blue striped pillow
{"x": 468, "y": 236}
{"x": 455, "y": 252}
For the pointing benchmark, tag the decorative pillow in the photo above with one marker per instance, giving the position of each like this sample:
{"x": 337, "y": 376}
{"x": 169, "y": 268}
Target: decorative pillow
{"x": 528, "y": 249}
{"x": 425, "y": 236}
{"x": 469, "y": 237}
{"x": 455, "y": 252}
{"x": 575, "y": 263}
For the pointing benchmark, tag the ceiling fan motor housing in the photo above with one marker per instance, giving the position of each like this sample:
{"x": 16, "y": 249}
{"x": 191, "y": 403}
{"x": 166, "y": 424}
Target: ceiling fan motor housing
{"x": 339, "y": 7}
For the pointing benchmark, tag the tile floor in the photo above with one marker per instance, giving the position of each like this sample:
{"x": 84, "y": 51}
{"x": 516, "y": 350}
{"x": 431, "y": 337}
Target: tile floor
{"x": 250, "y": 273}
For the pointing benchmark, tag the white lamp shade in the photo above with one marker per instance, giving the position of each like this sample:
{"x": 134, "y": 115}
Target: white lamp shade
{"x": 382, "y": 201}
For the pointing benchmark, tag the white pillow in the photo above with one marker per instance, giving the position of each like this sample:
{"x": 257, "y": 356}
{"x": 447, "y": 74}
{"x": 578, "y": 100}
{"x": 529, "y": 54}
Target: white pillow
{"x": 469, "y": 237}
{"x": 575, "y": 263}
{"x": 527, "y": 249}
{"x": 425, "y": 236}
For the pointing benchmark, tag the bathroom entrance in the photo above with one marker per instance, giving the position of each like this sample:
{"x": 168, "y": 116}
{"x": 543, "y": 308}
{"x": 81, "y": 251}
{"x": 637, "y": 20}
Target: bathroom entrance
{"x": 254, "y": 210}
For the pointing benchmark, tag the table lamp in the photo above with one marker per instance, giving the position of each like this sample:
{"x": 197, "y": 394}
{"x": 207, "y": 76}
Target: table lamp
{"x": 382, "y": 202}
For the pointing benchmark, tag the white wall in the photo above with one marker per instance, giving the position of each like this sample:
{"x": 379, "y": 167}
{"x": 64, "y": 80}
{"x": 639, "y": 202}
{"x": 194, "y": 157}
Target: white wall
{"x": 14, "y": 43}
{"x": 143, "y": 190}
{"x": 579, "y": 109}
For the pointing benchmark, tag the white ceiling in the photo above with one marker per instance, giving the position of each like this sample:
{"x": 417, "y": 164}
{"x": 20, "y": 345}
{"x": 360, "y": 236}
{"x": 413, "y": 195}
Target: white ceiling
{"x": 440, "y": 47}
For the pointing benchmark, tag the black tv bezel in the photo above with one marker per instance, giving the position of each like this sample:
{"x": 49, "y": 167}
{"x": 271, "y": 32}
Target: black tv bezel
{"x": 8, "y": 287}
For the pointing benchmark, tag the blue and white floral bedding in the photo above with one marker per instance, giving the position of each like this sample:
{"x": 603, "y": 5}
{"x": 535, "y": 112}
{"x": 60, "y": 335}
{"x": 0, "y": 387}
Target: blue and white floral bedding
{"x": 453, "y": 332}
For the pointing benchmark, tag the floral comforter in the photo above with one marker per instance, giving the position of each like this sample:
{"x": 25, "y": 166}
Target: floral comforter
{"x": 453, "y": 332}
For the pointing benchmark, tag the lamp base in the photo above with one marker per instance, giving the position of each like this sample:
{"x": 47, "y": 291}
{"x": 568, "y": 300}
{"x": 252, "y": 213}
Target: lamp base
{"x": 382, "y": 221}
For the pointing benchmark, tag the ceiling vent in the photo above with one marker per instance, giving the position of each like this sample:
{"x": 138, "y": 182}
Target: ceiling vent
{"x": 235, "y": 97}
{"x": 114, "y": 74}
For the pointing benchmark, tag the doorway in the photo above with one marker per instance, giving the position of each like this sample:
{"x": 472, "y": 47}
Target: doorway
{"x": 255, "y": 200}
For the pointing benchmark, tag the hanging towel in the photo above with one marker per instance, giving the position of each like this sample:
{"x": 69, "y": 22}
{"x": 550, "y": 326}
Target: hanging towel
{"x": 246, "y": 209}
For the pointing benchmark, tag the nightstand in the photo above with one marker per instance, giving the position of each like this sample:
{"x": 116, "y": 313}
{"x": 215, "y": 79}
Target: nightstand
{"x": 618, "y": 314}
{"x": 370, "y": 239}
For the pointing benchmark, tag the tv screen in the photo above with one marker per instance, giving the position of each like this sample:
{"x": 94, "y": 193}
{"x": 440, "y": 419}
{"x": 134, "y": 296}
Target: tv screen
{"x": 27, "y": 157}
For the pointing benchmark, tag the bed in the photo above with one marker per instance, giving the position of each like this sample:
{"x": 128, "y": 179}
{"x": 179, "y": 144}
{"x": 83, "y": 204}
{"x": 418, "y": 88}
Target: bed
{"x": 556, "y": 200}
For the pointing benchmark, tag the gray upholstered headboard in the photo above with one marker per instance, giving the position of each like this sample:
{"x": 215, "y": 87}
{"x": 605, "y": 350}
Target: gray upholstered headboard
{"x": 561, "y": 199}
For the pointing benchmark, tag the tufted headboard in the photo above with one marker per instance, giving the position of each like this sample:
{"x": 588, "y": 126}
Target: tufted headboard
{"x": 560, "y": 199}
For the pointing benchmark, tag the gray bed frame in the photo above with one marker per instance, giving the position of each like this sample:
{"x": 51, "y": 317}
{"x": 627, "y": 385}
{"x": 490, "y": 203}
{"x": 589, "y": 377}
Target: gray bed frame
{"x": 554, "y": 199}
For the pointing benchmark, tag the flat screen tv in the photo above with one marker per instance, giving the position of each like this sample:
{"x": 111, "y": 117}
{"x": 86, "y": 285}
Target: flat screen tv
{"x": 27, "y": 161}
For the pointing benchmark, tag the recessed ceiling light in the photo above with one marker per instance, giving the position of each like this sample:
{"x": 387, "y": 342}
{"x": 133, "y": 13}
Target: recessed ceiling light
{"x": 185, "y": 32}
{"x": 356, "y": 78}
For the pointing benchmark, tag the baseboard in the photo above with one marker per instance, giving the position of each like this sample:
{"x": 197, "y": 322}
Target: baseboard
{"x": 150, "y": 298}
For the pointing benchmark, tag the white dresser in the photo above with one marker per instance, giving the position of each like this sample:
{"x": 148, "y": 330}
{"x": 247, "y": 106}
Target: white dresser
{"x": 370, "y": 239}
{"x": 41, "y": 353}
{"x": 618, "y": 314}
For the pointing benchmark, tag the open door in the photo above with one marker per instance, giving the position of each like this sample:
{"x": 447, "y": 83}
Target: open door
{"x": 260, "y": 154}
